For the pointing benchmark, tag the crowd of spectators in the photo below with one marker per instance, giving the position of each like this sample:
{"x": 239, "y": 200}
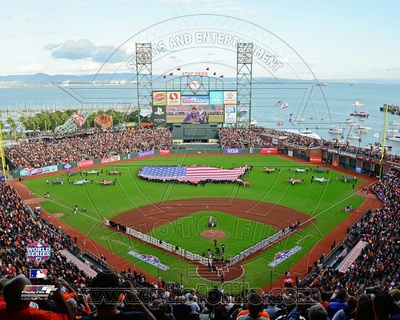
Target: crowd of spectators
{"x": 378, "y": 264}
{"x": 94, "y": 144}
{"x": 231, "y": 138}
{"x": 375, "y": 272}
{"x": 373, "y": 152}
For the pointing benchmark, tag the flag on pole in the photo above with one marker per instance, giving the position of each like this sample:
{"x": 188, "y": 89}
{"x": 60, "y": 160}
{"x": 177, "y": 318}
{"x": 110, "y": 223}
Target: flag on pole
{"x": 214, "y": 74}
{"x": 285, "y": 105}
{"x": 278, "y": 103}
{"x": 178, "y": 69}
{"x": 171, "y": 74}
{"x": 208, "y": 68}
{"x": 221, "y": 76}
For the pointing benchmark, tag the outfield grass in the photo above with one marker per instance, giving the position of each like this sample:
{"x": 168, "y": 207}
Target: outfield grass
{"x": 323, "y": 201}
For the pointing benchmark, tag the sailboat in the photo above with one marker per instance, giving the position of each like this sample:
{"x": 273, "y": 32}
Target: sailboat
{"x": 335, "y": 130}
{"x": 354, "y": 136}
{"x": 356, "y": 113}
{"x": 394, "y": 122}
{"x": 378, "y": 143}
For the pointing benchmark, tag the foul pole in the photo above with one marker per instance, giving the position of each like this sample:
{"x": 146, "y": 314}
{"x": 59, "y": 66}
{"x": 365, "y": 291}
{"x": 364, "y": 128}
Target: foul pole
{"x": 385, "y": 117}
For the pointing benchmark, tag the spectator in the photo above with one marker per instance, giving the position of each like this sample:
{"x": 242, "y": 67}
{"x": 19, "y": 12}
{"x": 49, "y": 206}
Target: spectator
{"x": 106, "y": 303}
{"x": 395, "y": 293}
{"x": 317, "y": 312}
{"x": 347, "y": 313}
{"x": 338, "y": 302}
{"x": 255, "y": 306}
{"x": 271, "y": 308}
{"x": 195, "y": 308}
{"x": 383, "y": 306}
{"x": 364, "y": 309}
{"x": 17, "y": 308}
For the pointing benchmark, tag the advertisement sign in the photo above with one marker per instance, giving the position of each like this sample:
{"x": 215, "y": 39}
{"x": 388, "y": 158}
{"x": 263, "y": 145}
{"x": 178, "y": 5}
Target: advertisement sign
{"x": 358, "y": 169}
{"x": 195, "y": 100}
{"x": 283, "y": 255}
{"x": 269, "y": 150}
{"x": 145, "y": 153}
{"x": 38, "y": 251}
{"x": 159, "y": 116}
{"x": 159, "y": 98}
{"x": 165, "y": 152}
{"x": 37, "y": 273}
{"x": 30, "y": 172}
{"x": 314, "y": 159}
{"x": 85, "y": 163}
{"x": 110, "y": 159}
{"x": 173, "y": 98}
{"x": 153, "y": 260}
{"x": 67, "y": 166}
{"x": 230, "y": 97}
{"x": 230, "y": 114}
{"x": 216, "y": 97}
{"x": 237, "y": 150}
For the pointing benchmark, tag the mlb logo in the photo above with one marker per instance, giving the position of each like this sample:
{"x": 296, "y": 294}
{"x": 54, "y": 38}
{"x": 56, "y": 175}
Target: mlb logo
{"x": 37, "y": 273}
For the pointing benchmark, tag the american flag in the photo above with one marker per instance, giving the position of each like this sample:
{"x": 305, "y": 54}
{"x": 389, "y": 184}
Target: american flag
{"x": 194, "y": 174}
{"x": 278, "y": 103}
{"x": 284, "y": 106}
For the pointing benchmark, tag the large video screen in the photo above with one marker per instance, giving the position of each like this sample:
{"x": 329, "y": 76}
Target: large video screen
{"x": 195, "y": 108}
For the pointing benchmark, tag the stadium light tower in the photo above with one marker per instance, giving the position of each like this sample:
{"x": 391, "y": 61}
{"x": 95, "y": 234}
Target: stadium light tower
{"x": 244, "y": 79}
{"x": 144, "y": 76}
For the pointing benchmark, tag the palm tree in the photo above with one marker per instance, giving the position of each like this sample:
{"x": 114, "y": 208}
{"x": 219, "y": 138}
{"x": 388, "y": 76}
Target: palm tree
{"x": 64, "y": 117}
{"x": 12, "y": 125}
{"x": 13, "y": 129}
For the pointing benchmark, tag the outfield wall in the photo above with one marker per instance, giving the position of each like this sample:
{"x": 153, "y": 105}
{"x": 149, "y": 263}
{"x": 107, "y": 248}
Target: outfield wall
{"x": 320, "y": 155}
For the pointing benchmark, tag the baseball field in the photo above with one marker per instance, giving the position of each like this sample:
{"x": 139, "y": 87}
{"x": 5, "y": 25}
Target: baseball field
{"x": 178, "y": 213}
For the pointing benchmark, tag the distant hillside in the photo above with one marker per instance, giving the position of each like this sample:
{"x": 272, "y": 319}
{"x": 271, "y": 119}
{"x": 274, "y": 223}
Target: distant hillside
{"x": 42, "y": 79}
{"x": 46, "y": 79}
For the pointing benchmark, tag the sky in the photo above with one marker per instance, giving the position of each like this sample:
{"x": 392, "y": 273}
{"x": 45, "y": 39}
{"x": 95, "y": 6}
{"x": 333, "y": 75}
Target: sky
{"x": 341, "y": 39}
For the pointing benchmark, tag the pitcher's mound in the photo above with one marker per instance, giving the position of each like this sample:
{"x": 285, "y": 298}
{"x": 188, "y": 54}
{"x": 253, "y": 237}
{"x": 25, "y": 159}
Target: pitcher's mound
{"x": 213, "y": 234}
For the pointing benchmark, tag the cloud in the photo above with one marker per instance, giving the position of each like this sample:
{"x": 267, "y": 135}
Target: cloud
{"x": 31, "y": 68}
{"x": 393, "y": 69}
{"x": 82, "y": 49}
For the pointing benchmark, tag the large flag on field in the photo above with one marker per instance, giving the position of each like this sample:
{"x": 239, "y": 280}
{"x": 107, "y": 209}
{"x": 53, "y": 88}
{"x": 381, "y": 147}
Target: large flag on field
{"x": 193, "y": 174}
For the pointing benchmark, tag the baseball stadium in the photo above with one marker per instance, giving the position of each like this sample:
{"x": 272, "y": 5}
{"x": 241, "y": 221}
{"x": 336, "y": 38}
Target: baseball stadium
{"x": 195, "y": 198}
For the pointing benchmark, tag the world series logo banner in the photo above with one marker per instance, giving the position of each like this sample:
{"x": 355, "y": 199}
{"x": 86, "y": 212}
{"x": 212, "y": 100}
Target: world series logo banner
{"x": 38, "y": 251}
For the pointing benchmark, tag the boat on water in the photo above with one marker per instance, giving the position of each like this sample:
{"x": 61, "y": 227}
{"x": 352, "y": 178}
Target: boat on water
{"x": 394, "y": 122}
{"x": 364, "y": 129}
{"x": 353, "y": 137}
{"x": 379, "y": 145}
{"x": 349, "y": 121}
{"x": 321, "y": 84}
{"x": 335, "y": 130}
{"x": 356, "y": 113}
{"x": 394, "y": 137}
{"x": 304, "y": 132}
{"x": 357, "y": 103}
{"x": 253, "y": 122}
{"x": 361, "y": 114}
